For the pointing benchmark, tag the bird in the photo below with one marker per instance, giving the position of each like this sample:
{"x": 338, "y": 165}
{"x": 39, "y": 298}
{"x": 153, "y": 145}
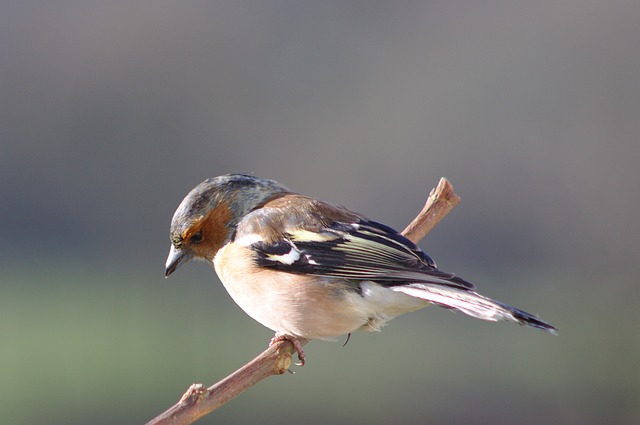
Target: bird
{"x": 308, "y": 269}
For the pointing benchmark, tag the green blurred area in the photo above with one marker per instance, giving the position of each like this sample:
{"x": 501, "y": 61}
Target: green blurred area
{"x": 110, "y": 112}
{"x": 113, "y": 347}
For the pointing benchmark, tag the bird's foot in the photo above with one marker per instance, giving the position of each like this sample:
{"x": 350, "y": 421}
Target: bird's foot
{"x": 296, "y": 345}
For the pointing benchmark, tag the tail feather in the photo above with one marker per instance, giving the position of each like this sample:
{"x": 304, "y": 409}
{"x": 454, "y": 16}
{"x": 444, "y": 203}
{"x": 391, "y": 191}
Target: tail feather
{"x": 473, "y": 304}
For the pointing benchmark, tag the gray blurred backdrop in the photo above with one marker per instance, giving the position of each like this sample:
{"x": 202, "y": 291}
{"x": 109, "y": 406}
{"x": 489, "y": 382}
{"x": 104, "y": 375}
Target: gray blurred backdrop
{"x": 112, "y": 111}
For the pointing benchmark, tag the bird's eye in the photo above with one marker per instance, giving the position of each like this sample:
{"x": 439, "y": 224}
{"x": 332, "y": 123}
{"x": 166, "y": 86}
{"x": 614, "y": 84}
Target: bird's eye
{"x": 196, "y": 238}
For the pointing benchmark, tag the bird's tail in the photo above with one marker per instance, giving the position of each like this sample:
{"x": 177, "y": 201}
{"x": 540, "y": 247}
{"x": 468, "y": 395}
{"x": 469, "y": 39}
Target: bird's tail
{"x": 473, "y": 304}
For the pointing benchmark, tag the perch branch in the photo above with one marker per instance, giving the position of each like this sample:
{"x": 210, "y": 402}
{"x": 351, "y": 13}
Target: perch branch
{"x": 275, "y": 360}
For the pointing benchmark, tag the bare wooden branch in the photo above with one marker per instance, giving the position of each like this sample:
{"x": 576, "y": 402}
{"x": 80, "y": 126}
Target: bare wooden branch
{"x": 441, "y": 201}
{"x": 199, "y": 400}
{"x": 276, "y": 360}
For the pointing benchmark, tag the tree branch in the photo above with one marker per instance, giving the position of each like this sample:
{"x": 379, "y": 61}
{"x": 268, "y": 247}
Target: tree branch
{"x": 275, "y": 360}
{"x": 441, "y": 201}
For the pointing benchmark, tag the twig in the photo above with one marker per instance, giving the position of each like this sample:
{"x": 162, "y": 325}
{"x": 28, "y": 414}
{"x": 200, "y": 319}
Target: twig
{"x": 275, "y": 360}
{"x": 441, "y": 200}
{"x": 199, "y": 400}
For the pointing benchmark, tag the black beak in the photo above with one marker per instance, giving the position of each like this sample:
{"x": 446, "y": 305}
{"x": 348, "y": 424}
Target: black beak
{"x": 176, "y": 258}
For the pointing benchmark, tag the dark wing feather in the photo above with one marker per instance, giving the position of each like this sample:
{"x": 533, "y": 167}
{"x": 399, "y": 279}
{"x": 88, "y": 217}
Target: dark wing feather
{"x": 358, "y": 250}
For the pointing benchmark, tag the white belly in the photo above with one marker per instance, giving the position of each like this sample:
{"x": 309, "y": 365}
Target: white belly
{"x": 307, "y": 306}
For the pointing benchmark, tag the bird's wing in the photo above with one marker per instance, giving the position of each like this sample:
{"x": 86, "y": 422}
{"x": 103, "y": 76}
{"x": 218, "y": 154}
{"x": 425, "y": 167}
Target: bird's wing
{"x": 336, "y": 242}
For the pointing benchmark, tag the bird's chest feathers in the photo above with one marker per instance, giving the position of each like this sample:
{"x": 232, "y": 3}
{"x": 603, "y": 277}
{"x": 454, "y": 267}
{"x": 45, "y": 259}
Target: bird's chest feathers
{"x": 301, "y": 305}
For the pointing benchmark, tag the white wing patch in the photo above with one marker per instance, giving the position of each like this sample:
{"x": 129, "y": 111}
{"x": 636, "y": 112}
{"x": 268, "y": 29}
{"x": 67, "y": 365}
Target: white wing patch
{"x": 288, "y": 258}
{"x": 310, "y": 260}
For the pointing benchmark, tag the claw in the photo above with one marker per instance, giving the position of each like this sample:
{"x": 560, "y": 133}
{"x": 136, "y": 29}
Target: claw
{"x": 348, "y": 338}
{"x": 296, "y": 345}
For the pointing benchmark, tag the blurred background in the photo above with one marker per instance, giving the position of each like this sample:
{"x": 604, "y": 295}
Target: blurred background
{"x": 110, "y": 112}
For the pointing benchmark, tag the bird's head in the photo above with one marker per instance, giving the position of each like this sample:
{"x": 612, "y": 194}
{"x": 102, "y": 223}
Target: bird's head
{"x": 207, "y": 217}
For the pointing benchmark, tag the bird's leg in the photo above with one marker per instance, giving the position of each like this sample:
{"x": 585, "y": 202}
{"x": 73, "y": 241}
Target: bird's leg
{"x": 296, "y": 345}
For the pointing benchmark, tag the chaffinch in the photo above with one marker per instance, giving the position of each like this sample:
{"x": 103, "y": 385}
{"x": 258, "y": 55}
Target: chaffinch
{"x": 308, "y": 269}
